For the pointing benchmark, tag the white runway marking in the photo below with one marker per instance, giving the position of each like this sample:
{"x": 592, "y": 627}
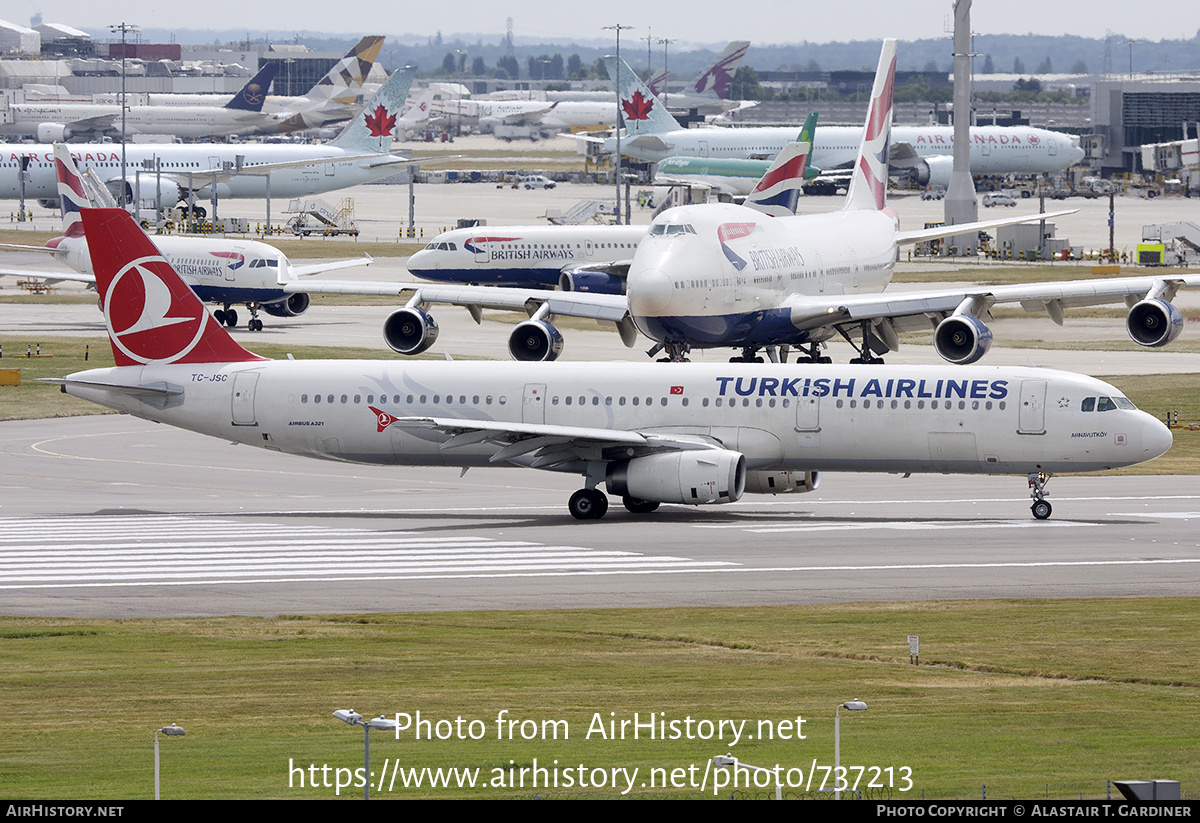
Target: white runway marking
{"x": 132, "y": 550}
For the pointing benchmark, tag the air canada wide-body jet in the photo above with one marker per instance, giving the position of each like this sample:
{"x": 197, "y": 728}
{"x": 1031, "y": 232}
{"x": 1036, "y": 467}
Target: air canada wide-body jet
{"x": 651, "y": 434}
{"x": 170, "y": 173}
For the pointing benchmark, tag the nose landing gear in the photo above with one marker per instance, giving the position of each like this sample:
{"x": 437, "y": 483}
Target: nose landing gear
{"x": 1041, "y": 507}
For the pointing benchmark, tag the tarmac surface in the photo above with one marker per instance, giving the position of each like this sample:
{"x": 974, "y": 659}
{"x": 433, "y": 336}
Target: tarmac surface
{"x": 111, "y": 516}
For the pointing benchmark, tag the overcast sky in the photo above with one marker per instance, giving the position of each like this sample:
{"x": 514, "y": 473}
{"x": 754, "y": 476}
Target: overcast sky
{"x": 706, "y": 21}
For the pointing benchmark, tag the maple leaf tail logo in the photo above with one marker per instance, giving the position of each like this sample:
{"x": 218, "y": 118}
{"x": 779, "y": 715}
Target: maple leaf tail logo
{"x": 380, "y": 123}
{"x": 637, "y": 107}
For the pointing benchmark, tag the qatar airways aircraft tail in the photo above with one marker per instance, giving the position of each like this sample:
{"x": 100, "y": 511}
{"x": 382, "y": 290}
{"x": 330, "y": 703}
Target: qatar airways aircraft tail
{"x": 715, "y": 80}
{"x": 868, "y": 183}
{"x": 718, "y": 77}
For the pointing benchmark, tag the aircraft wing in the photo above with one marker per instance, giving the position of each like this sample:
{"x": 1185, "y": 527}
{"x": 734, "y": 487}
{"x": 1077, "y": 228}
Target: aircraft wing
{"x": 920, "y": 235}
{"x": 541, "y": 446}
{"x": 50, "y": 277}
{"x": 333, "y": 265}
{"x": 611, "y": 308}
{"x": 922, "y": 310}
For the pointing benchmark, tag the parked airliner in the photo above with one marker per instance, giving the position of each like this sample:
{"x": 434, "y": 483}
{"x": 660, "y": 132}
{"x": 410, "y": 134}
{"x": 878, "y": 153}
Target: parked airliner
{"x": 59, "y": 122}
{"x": 652, "y": 134}
{"x": 226, "y": 272}
{"x": 688, "y": 434}
{"x": 336, "y": 96}
{"x": 358, "y": 155}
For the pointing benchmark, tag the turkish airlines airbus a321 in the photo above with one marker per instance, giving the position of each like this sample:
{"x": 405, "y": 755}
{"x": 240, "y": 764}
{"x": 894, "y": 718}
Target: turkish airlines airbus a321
{"x": 689, "y": 434}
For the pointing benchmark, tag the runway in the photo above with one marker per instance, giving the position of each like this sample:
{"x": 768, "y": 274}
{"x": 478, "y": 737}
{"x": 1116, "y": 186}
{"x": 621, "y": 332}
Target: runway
{"x": 114, "y": 517}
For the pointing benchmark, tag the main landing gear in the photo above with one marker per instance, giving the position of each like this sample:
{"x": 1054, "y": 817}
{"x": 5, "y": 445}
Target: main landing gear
{"x": 229, "y": 317}
{"x": 870, "y": 345}
{"x": 1041, "y": 507}
{"x": 588, "y": 504}
{"x": 676, "y": 352}
{"x": 592, "y": 504}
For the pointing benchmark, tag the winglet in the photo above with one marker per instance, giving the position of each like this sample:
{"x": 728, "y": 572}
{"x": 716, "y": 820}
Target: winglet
{"x": 868, "y": 184}
{"x": 152, "y": 316}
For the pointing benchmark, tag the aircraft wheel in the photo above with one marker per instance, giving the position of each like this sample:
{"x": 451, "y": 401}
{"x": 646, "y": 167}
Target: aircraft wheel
{"x": 1041, "y": 509}
{"x": 637, "y": 506}
{"x": 231, "y": 318}
{"x": 219, "y": 316}
{"x": 255, "y": 325}
{"x": 588, "y": 504}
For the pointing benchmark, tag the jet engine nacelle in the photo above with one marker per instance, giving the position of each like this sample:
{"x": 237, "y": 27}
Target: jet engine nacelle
{"x": 935, "y": 171}
{"x": 535, "y": 340}
{"x": 294, "y": 306}
{"x": 54, "y": 133}
{"x": 410, "y": 330}
{"x": 49, "y": 204}
{"x": 166, "y": 190}
{"x": 693, "y": 477}
{"x": 782, "y": 482}
{"x": 596, "y": 282}
{"x": 962, "y": 339}
{"x": 1154, "y": 322}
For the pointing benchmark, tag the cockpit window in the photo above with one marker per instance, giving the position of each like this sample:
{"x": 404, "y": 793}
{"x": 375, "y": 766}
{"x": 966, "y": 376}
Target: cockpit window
{"x": 1104, "y": 404}
{"x": 672, "y": 228}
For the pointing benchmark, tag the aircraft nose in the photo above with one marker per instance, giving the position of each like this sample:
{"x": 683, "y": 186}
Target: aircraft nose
{"x": 649, "y": 293}
{"x": 1156, "y": 438}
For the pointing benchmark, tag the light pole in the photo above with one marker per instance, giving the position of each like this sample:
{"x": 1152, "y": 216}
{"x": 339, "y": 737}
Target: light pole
{"x": 854, "y": 705}
{"x": 729, "y": 761}
{"x": 355, "y": 719}
{"x": 123, "y": 28}
{"x": 170, "y": 731}
{"x": 617, "y": 88}
{"x": 666, "y": 41}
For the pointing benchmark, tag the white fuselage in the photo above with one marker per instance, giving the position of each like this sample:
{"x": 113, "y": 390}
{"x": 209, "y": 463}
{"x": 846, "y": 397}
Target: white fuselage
{"x": 218, "y": 270}
{"x": 721, "y": 275}
{"x": 529, "y": 256}
{"x": 984, "y": 420}
{"x": 179, "y": 121}
{"x": 178, "y": 161}
{"x": 994, "y": 149}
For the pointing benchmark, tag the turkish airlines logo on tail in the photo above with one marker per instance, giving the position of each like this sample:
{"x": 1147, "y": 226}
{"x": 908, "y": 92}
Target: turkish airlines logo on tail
{"x": 146, "y": 321}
